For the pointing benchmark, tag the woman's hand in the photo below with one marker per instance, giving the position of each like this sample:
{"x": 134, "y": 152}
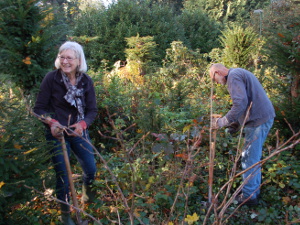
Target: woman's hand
{"x": 56, "y": 128}
{"x": 78, "y": 128}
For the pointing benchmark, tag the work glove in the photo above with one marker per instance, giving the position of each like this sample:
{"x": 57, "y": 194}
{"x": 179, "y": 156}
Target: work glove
{"x": 233, "y": 128}
{"x": 78, "y": 128}
{"x": 56, "y": 128}
{"x": 222, "y": 122}
{"x": 214, "y": 121}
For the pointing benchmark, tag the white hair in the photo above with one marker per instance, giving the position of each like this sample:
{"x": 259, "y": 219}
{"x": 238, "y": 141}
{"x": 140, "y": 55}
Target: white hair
{"x": 77, "y": 48}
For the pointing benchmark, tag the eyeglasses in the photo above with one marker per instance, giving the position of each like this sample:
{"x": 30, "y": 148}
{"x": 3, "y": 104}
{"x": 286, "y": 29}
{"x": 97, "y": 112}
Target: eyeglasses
{"x": 62, "y": 58}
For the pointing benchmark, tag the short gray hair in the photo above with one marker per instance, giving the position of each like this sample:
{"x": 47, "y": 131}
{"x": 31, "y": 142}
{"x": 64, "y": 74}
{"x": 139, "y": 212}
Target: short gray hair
{"x": 77, "y": 48}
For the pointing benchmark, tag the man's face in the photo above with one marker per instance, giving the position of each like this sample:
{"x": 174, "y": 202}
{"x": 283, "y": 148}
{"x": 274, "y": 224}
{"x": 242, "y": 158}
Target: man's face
{"x": 217, "y": 77}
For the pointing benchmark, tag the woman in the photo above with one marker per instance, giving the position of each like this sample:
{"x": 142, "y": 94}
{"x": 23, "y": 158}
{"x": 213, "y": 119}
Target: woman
{"x": 67, "y": 99}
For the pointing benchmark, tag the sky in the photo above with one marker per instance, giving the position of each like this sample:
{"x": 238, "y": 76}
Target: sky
{"x": 107, "y": 2}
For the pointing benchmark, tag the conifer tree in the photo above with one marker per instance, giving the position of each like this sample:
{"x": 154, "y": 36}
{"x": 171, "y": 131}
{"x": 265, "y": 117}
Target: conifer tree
{"x": 201, "y": 32}
{"x": 28, "y": 41}
{"x": 281, "y": 27}
{"x": 241, "y": 46}
{"x": 227, "y": 10}
{"x": 141, "y": 51}
{"x": 127, "y": 18}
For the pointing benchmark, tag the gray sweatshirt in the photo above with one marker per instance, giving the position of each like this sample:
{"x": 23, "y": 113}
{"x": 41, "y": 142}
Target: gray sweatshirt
{"x": 245, "y": 88}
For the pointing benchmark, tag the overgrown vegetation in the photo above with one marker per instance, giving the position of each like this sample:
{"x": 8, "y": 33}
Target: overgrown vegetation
{"x": 151, "y": 136}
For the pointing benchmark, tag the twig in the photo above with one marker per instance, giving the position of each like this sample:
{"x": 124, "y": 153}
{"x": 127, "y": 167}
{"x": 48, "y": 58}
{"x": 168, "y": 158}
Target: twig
{"x": 289, "y": 125}
{"x": 60, "y": 201}
{"x": 276, "y": 152}
{"x": 142, "y": 138}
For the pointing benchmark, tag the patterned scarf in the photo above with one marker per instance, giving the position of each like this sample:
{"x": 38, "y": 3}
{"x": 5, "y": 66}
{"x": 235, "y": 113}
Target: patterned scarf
{"x": 73, "y": 94}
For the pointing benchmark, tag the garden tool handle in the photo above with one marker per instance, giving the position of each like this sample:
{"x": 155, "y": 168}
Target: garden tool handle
{"x": 69, "y": 171}
{"x": 214, "y": 127}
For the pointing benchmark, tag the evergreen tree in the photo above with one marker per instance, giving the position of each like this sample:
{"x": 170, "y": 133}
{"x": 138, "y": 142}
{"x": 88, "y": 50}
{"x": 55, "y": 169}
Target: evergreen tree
{"x": 281, "y": 27}
{"x": 201, "y": 32}
{"x": 140, "y": 51}
{"x": 28, "y": 41}
{"x": 125, "y": 19}
{"x": 240, "y": 46}
{"x": 226, "y": 10}
{"x": 177, "y": 4}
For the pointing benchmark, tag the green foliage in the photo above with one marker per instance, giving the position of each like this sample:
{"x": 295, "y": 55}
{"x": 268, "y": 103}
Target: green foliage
{"x": 241, "y": 46}
{"x": 226, "y": 11}
{"x": 28, "y": 36}
{"x": 139, "y": 54}
{"x": 140, "y": 49}
{"x": 200, "y": 31}
{"x": 23, "y": 157}
{"x": 281, "y": 27}
{"x": 125, "y": 19}
{"x": 182, "y": 62}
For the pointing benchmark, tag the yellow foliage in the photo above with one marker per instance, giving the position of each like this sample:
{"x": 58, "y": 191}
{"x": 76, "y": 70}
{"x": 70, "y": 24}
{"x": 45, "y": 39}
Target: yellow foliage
{"x": 17, "y": 146}
{"x": 186, "y": 128}
{"x": 191, "y": 219}
{"x": 31, "y": 150}
{"x": 27, "y": 60}
{"x": 139, "y": 131}
{"x": 286, "y": 200}
{"x": 35, "y": 39}
{"x": 113, "y": 209}
{"x": 1, "y": 184}
{"x": 136, "y": 212}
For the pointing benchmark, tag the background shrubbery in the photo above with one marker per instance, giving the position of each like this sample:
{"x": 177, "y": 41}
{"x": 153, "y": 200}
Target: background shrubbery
{"x": 149, "y": 62}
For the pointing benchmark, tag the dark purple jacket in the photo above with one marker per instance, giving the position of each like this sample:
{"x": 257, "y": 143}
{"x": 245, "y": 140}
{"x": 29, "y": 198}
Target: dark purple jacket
{"x": 50, "y": 100}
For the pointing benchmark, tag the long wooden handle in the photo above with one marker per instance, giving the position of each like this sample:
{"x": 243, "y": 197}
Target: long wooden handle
{"x": 211, "y": 164}
{"x": 72, "y": 187}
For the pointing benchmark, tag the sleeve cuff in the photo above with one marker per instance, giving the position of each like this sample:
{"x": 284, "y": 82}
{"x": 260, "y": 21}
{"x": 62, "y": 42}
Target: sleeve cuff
{"x": 83, "y": 124}
{"x": 52, "y": 121}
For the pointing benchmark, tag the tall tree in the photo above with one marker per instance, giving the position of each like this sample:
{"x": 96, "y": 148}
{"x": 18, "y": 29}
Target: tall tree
{"x": 241, "y": 46}
{"x": 227, "y": 10}
{"x": 125, "y": 19}
{"x": 281, "y": 26}
{"x": 201, "y": 32}
{"x": 140, "y": 51}
{"x": 28, "y": 41}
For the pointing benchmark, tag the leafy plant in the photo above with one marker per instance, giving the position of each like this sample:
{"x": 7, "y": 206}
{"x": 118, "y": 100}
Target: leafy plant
{"x": 29, "y": 33}
{"x": 23, "y": 156}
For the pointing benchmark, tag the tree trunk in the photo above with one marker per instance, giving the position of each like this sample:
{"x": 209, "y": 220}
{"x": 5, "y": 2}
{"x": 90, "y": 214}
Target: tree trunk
{"x": 295, "y": 86}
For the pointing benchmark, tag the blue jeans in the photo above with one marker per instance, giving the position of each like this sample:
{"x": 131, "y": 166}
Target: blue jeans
{"x": 252, "y": 153}
{"x": 84, "y": 154}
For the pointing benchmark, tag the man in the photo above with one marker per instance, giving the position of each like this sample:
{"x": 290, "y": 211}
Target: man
{"x": 247, "y": 95}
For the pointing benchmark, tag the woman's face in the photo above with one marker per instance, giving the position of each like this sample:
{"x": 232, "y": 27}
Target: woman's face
{"x": 68, "y": 62}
